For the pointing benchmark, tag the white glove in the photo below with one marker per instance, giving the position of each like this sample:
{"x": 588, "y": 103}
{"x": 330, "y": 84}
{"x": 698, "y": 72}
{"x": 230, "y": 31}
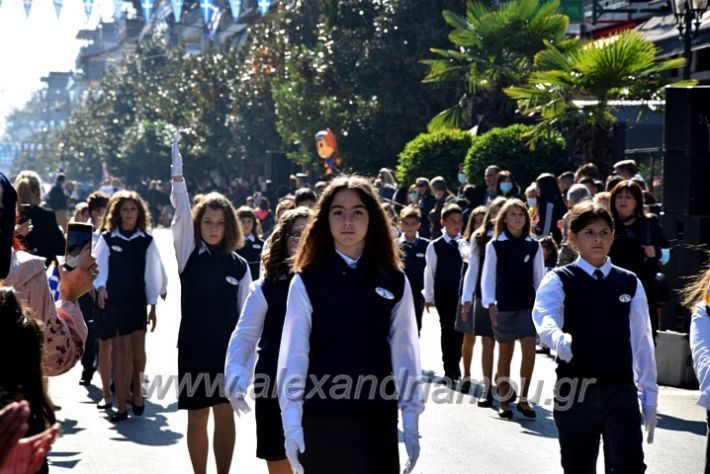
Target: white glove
{"x": 176, "y": 165}
{"x": 294, "y": 444}
{"x": 564, "y": 348}
{"x": 238, "y": 403}
{"x": 410, "y": 427}
{"x": 648, "y": 418}
{"x": 236, "y": 388}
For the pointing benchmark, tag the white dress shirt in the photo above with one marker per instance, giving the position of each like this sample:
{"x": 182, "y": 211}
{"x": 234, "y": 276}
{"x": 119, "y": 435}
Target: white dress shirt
{"x": 184, "y": 237}
{"x": 154, "y": 275}
{"x": 490, "y": 267}
{"x": 548, "y": 316}
{"x": 295, "y": 348}
{"x": 700, "y": 348}
{"x": 430, "y": 268}
{"x": 470, "y": 278}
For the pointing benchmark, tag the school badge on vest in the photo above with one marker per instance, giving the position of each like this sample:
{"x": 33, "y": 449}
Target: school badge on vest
{"x": 526, "y": 259}
{"x": 231, "y": 280}
{"x": 256, "y": 246}
{"x": 116, "y": 248}
{"x": 625, "y": 298}
{"x": 386, "y": 294}
{"x": 420, "y": 255}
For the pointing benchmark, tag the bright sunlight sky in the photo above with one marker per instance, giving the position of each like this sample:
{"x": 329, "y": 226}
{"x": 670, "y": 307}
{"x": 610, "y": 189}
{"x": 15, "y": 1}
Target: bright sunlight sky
{"x": 32, "y": 47}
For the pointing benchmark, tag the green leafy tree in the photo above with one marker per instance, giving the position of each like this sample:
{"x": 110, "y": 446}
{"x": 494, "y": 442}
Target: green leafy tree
{"x": 508, "y": 148}
{"x": 493, "y": 49}
{"x": 622, "y": 67}
{"x": 433, "y": 154}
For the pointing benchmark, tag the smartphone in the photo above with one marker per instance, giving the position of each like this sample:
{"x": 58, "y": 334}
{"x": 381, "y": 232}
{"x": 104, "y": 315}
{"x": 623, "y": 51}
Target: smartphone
{"x": 24, "y": 209}
{"x": 78, "y": 238}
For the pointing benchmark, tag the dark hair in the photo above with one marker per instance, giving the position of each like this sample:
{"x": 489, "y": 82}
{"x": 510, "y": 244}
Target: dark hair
{"x": 589, "y": 170}
{"x": 112, "y": 220}
{"x": 612, "y": 181}
{"x": 634, "y": 189}
{"x": 549, "y": 189}
{"x": 305, "y": 194}
{"x": 276, "y": 259}
{"x": 264, "y": 204}
{"x": 317, "y": 244}
{"x": 21, "y": 350}
{"x": 246, "y": 212}
{"x": 549, "y": 243}
{"x": 410, "y": 212}
{"x": 506, "y": 175}
{"x": 626, "y": 165}
{"x": 469, "y": 192}
{"x": 587, "y": 212}
{"x": 233, "y": 238}
{"x": 450, "y": 209}
{"x": 565, "y": 175}
{"x": 481, "y": 234}
{"x": 97, "y": 200}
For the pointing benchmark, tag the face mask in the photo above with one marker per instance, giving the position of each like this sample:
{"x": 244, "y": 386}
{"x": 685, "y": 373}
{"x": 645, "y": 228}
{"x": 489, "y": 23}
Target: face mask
{"x": 414, "y": 197}
{"x": 506, "y": 187}
{"x": 532, "y": 202}
{"x": 462, "y": 178}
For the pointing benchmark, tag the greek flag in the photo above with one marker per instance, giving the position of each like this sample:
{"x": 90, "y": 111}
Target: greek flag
{"x": 53, "y": 280}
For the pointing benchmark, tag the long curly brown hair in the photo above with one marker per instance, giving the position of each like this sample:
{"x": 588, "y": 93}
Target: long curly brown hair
{"x": 112, "y": 220}
{"x": 276, "y": 260}
{"x": 317, "y": 244}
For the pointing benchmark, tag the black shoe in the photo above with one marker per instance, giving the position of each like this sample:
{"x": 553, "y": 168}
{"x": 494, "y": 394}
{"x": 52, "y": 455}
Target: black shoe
{"x": 119, "y": 417}
{"x": 505, "y": 413}
{"x": 485, "y": 402}
{"x": 104, "y": 406}
{"x": 527, "y": 412}
{"x": 445, "y": 381}
{"x": 138, "y": 409}
{"x": 465, "y": 386}
{"x": 86, "y": 377}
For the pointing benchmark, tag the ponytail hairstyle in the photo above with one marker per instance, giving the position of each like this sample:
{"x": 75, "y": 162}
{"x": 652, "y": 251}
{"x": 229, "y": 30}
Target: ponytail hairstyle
{"x": 21, "y": 350}
{"x": 276, "y": 259}
{"x": 317, "y": 244}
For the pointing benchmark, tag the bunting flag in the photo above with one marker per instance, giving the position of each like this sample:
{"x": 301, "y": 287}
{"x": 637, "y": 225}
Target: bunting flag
{"x": 235, "y": 6}
{"x": 58, "y": 6}
{"x": 53, "y": 280}
{"x": 264, "y": 6}
{"x": 88, "y": 6}
{"x": 117, "y": 13}
{"x": 213, "y": 25}
{"x": 206, "y": 6}
{"x": 147, "y": 9}
{"x": 177, "y": 9}
{"x": 28, "y": 7}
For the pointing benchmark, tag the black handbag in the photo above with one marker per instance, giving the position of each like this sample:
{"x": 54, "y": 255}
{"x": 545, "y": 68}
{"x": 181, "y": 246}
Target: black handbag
{"x": 662, "y": 292}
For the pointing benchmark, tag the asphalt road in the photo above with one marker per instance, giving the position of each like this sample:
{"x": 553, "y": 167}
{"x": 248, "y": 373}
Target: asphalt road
{"x": 456, "y": 436}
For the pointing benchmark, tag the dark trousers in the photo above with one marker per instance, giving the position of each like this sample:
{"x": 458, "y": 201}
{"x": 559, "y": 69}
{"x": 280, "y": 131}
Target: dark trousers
{"x": 451, "y": 340}
{"x": 583, "y": 417}
{"x": 88, "y": 360}
{"x": 418, "y": 312}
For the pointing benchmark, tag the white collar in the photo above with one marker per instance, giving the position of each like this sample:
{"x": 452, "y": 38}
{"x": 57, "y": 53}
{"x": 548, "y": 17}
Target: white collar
{"x": 251, "y": 237}
{"x": 589, "y": 268}
{"x": 352, "y": 263}
{"x": 135, "y": 235}
{"x": 448, "y": 239}
{"x": 503, "y": 236}
{"x": 403, "y": 239}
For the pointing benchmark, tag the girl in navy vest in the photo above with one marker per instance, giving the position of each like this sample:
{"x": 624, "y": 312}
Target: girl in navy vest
{"x": 349, "y": 338}
{"x": 253, "y": 245}
{"x": 479, "y": 321}
{"x": 696, "y": 297}
{"x": 595, "y": 315}
{"x": 215, "y": 283}
{"x": 131, "y": 276}
{"x": 261, "y": 322}
{"x": 512, "y": 271}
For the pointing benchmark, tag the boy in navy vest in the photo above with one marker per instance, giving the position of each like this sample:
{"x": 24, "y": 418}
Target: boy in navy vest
{"x": 595, "y": 316}
{"x": 442, "y": 279}
{"x": 413, "y": 250}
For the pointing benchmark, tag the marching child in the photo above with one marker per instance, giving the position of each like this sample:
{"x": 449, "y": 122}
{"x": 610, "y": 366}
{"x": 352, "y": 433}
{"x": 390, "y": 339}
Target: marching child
{"x": 512, "y": 271}
{"x": 599, "y": 385}
{"x": 253, "y": 245}
{"x": 413, "y": 250}
{"x": 215, "y": 283}
{"x": 131, "y": 277}
{"x": 349, "y": 317}
{"x": 262, "y": 322}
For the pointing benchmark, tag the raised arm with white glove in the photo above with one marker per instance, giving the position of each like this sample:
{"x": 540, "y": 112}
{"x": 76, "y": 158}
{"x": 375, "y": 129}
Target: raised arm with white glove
{"x": 176, "y": 157}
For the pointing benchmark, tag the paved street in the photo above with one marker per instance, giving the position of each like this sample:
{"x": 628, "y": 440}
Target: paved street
{"x": 457, "y": 437}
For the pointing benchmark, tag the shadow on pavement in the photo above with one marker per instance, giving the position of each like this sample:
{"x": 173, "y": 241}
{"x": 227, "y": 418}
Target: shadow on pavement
{"x": 68, "y": 464}
{"x": 672, "y": 423}
{"x": 69, "y": 427}
{"x": 150, "y": 429}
